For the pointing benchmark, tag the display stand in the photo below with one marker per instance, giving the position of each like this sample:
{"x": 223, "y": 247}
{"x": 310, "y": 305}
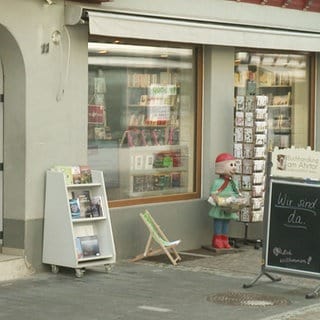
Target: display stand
{"x": 250, "y": 139}
{"x": 76, "y": 242}
{"x": 262, "y": 273}
{"x": 245, "y": 240}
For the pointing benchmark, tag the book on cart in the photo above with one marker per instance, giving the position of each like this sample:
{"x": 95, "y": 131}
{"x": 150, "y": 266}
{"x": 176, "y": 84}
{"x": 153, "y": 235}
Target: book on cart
{"x": 75, "y": 174}
{"x": 85, "y": 174}
{"x": 88, "y": 246}
{"x": 74, "y": 208}
{"x": 96, "y": 207}
{"x": 84, "y": 198}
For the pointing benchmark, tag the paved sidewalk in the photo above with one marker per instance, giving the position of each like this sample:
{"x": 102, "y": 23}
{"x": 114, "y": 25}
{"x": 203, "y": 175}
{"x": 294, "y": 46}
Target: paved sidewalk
{"x": 155, "y": 289}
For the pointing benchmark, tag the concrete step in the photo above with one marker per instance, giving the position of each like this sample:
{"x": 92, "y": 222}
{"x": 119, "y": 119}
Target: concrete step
{"x": 13, "y": 267}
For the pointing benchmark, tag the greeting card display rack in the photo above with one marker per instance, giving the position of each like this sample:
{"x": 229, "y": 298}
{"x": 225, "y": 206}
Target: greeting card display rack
{"x": 250, "y": 141}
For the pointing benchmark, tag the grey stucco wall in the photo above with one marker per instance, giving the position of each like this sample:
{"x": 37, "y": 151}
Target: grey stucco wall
{"x": 185, "y": 220}
{"x": 42, "y": 127}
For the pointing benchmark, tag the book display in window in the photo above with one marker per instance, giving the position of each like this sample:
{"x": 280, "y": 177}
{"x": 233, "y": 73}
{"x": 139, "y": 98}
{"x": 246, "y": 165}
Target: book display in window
{"x": 153, "y": 109}
{"x": 250, "y": 140}
{"x": 275, "y": 86}
{"x": 98, "y": 128}
{"x": 279, "y": 91}
{"x": 79, "y": 212}
{"x": 155, "y": 170}
{"x": 157, "y": 164}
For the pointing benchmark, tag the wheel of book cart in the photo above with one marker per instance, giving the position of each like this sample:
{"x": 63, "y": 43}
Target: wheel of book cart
{"x": 108, "y": 267}
{"x": 80, "y": 272}
{"x": 54, "y": 269}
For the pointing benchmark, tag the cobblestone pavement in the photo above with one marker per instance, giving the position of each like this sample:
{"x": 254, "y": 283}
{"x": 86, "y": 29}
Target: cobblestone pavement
{"x": 246, "y": 264}
{"x": 203, "y": 286}
{"x": 306, "y": 313}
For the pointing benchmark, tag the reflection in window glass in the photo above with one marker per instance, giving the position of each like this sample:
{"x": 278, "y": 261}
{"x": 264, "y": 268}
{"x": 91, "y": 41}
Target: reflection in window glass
{"x": 284, "y": 79}
{"x": 141, "y": 119}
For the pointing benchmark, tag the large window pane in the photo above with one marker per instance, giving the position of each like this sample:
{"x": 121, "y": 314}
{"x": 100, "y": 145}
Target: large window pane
{"x": 141, "y": 119}
{"x": 284, "y": 79}
{"x": 272, "y": 109}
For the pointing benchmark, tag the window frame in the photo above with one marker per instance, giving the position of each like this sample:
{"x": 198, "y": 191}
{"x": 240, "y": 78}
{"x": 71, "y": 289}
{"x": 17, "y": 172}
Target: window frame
{"x": 198, "y": 65}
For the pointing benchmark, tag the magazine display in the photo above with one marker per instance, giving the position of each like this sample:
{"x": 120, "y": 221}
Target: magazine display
{"x": 80, "y": 174}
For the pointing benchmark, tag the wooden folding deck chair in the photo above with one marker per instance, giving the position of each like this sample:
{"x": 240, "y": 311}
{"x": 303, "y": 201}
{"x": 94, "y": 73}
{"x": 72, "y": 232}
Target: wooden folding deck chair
{"x": 158, "y": 236}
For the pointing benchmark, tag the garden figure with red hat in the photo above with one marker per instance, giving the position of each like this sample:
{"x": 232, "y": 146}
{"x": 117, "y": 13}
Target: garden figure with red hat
{"x": 225, "y": 193}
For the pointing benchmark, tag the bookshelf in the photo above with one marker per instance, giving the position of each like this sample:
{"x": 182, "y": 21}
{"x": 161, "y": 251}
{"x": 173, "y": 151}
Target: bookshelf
{"x": 154, "y": 170}
{"x": 81, "y": 242}
{"x": 153, "y": 108}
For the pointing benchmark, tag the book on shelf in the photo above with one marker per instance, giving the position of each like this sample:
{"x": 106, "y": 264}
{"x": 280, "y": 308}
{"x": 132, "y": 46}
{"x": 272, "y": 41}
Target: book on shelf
{"x": 99, "y": 98}
{"x": 88, "y": 246}
{"x": 96, "y": 114}
{"x": 176, "y": 179}
{"x": 100, "y": 85}
{"x": 84, "y": 199}
{"x": 76, "y": 174}
{"x": 149, "y": 161}
{"x": 138, "y": 161}
{"x": 67, "y": 172}
{"x": 74, "y": 208}
{"x": 96, "y": 206}
{"x": 85, "y": 174}
{"x": 99, "y": 133}
{"x": 78, "y": 248}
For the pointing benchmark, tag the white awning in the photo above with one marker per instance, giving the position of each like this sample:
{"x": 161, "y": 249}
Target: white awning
{"x": 123, "y": 25}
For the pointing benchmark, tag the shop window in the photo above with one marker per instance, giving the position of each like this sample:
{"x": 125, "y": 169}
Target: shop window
{"x": 284, "y": 78}
{"x": 273, "y": 108}
{"x": 143, "y": 112}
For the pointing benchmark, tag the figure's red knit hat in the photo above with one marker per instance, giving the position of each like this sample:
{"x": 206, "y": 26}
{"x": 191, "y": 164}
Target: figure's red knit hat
{"x": 221, "y": 160}
{"x": 224, "y": 157}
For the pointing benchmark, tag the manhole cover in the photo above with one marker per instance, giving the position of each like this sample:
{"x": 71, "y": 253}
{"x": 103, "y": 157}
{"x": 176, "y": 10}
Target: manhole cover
{"x": 247, "y": 299}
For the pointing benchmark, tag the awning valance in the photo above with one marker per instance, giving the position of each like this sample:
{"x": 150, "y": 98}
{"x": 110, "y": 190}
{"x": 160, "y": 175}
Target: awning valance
{"x": 129, "y": 26}
{"x": 136, "y": 26}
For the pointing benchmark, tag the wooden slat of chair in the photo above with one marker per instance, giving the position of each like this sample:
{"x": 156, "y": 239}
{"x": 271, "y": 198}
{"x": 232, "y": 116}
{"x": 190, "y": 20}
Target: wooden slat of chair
{"x": 158, "y": 236}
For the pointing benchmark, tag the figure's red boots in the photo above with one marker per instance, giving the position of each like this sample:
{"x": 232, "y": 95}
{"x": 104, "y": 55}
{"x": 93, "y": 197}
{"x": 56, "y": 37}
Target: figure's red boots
{"x": 217, "y": 242}
{"x": 225, "y": 241}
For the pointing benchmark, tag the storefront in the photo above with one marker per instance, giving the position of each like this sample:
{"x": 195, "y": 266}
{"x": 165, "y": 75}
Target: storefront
{"x": 160, "y": 81}
{"x": 130, "y": 64}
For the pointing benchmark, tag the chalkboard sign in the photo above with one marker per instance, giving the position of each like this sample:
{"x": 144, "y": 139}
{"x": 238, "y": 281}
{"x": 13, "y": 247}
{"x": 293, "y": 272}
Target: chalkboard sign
{"x": 292, "y": 235}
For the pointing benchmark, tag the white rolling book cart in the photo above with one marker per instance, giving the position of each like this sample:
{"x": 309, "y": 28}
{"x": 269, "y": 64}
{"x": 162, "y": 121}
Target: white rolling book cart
{"x": 76, "y": 242}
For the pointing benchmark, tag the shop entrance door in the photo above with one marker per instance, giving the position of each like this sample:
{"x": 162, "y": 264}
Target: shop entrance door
{"x": 1, "y": 151}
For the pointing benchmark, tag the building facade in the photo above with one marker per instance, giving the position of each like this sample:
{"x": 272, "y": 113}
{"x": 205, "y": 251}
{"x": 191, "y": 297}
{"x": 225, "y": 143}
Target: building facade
{"x": 46, "y": 79}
